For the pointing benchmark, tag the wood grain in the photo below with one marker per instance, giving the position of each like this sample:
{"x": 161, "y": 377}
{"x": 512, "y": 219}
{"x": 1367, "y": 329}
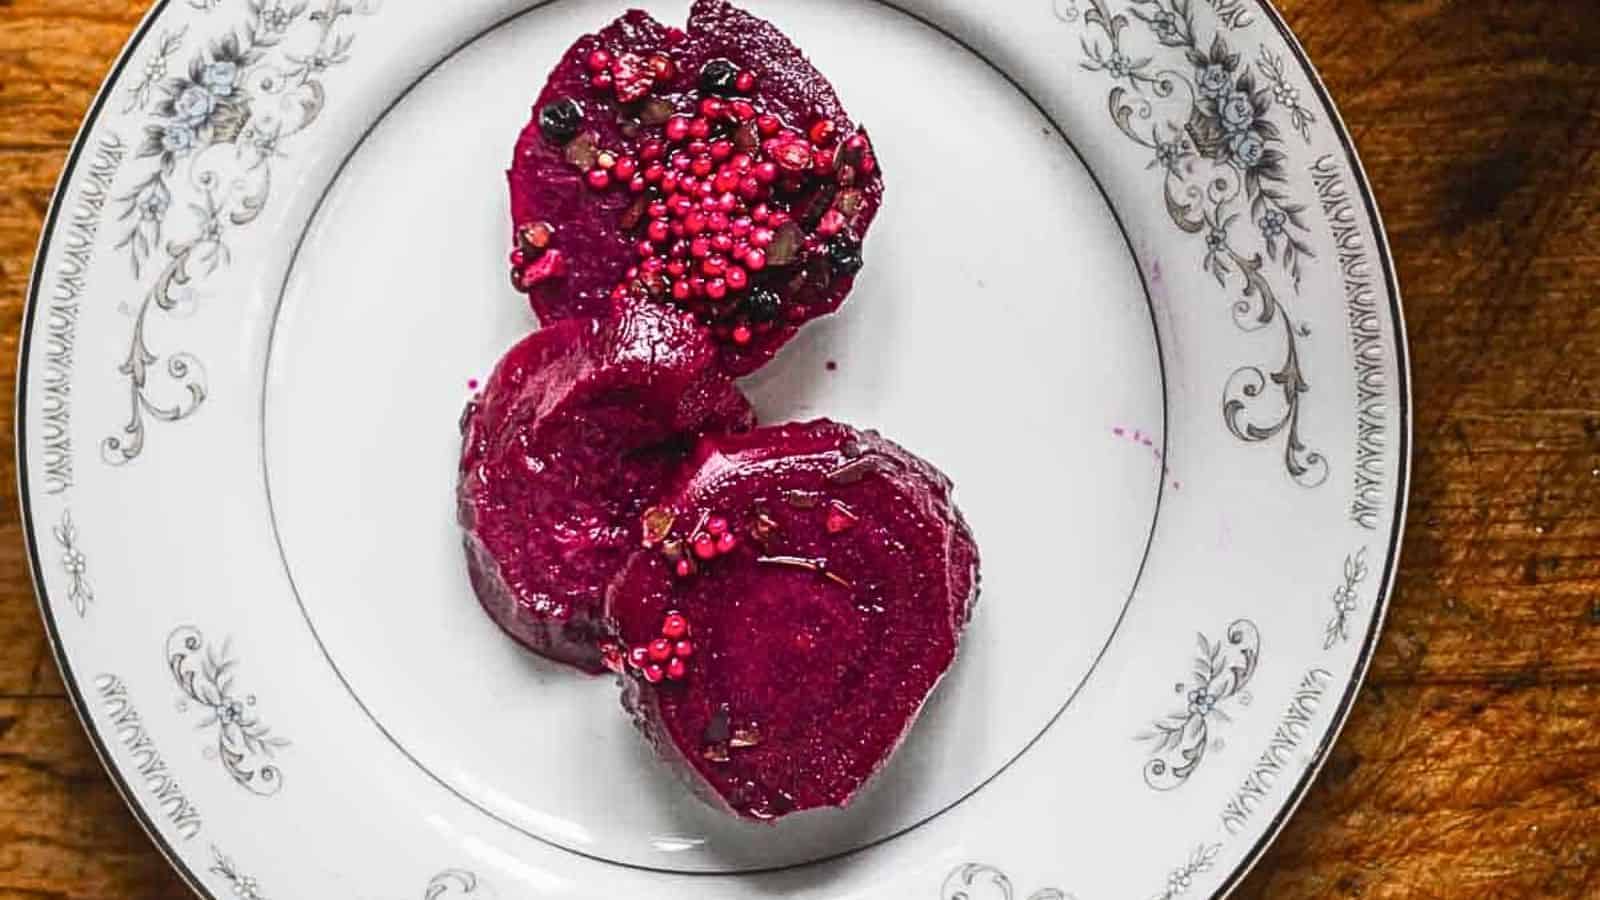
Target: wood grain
{"x": 1471, "y": 767}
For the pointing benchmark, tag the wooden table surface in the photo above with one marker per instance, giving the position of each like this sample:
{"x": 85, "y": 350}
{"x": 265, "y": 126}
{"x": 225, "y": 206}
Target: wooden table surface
{"x": 1471, "y": 766}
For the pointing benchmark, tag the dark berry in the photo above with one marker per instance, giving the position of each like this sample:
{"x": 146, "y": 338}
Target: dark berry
{"x": 560, "y": 120}
{"x": 762, "y": 305}
{"x": 719, "y": 77}
{"x": 845, "y": 255}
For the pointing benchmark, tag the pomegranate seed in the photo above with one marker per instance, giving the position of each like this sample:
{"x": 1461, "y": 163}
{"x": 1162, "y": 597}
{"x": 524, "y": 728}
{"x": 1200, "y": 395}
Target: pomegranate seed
{"x": 741, "y": 162}
{"x": 654, "y": 265}
{"x": 740, "y": 226}
{"x": 625, "y": 167}
{"x": 716, "y": 289}
{"x": 681, "y": 205}
{"x": 749, "y": 187}
{"x": 742, "y": 110}
{"x": 767, "y": 124}
{"x": 702, "y": 166}
{"x": 700, "y": 129}
{"x": 669, "y": 182}
{"x": 600, "y": 80}
{"x": 822, "y": 132}
{"x": 745, "y": 82}
{"x": 605, "y": 159}
{"x": 680, "y": 291}
{"x": 599, "y": 179}
{"x": 637, "y": 184}
{"x": 737, "y": 278}
{"x": 755, "y": 260}
{"x": 599, "y": 60}
{"x": 726, "y": 180}
{"x": 619, "y": 292}
{"x": 700, "y": 248}
{"x": 638, "y": 656}
{"x": 728, "y": 203}
{"x": 677, "y": 670}
{"x": 704, "y": 546}
{"x": 676, "y": 626}
{"x": 696, "y": 148}
{"x": 727, "y": 542}
{"x": 722, "y": 242}
{"x": 682, "y": 161}
{"x": 694, "y": 222}
{"x": 741, "y": 334}
{"x": 822, "y": 161}
{"x": 650, "y": 151}
{"x": 721, "y": 150}
{"x": 713, "y": 107}
{"x": 677, "y": 128}
{"x": 654, "y": 673}
{"x": 684, "y": 568}
{"x": 761, "y": 237}
{"x": 518, "y": 259}
{"x": 718, "y": 221}
{"x": 683, "y": 649}
{"x": 869, "y": 164}
{"x": 676, "y": 268}
{"x": 778, "y": 219}
{"x": 759, "y": 214}
{"x": 713, "y": 265}
{"x": 662, "y": 68}
{"x": 697, "y": 285}
{"x": 659, "y": 230}
{"x": 856, "y": 143}
{"x": 646, "y": 249}
{"x": 660, "y": 650}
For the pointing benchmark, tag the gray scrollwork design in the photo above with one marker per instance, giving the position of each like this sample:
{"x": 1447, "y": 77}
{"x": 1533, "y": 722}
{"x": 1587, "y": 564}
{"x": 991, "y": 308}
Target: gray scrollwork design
{"x": 1345, "y": 599}
{"x": 214, "y": 131}
{"x": 245, "y": 745}
{"x": 975, "y": 881}
{"x": 1181, "y": 879}
{"x": 1221, "y": 671}
{"x": 74, "y": 563}
{"x": 1203, "y": 113}
{"x": 244, "y": 886}
{"x": 454, "y": 883}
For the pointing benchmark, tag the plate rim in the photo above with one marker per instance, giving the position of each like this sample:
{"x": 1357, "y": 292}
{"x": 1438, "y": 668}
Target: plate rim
{"x": 1294, "y": 797}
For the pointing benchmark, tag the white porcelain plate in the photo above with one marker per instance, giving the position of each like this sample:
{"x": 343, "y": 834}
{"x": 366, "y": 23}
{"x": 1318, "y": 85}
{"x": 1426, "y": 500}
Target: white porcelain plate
{"x": 1129, "y": 289}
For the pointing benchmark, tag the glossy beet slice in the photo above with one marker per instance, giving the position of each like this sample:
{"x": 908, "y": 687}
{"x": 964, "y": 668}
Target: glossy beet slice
{"x": 828, "y": 581}
{"x": 711, "y": 169}
{"x": 581, "y": 425}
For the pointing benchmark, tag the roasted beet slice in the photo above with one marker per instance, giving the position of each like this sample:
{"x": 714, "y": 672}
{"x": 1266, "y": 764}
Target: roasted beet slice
{"x": 579, "y": 427}
{"x": 806, "y": 591}
{"x": 712, "y": 169}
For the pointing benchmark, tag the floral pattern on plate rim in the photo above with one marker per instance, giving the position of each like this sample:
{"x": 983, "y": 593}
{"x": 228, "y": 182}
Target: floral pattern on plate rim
{"x": 214, "y": 131}
{"x": 245, "y": 745}
{"x": 1221, "y": 671}
{"x": 447, "y": 884}
{"x": 1222, "y": 159}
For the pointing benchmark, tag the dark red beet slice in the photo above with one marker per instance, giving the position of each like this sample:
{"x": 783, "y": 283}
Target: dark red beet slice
{"x": 816, "y": 627}
{"x": 579, "y": 427}
{"x": 712, "y": 169}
